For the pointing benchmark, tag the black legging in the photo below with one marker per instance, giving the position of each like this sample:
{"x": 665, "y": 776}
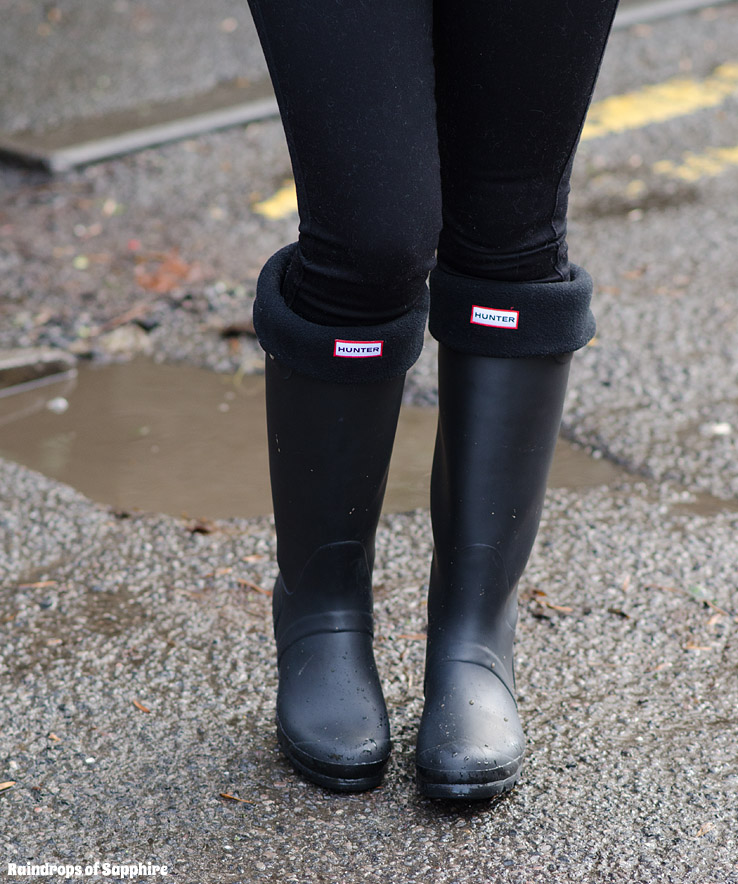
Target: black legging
{"x": 417, "y": 126}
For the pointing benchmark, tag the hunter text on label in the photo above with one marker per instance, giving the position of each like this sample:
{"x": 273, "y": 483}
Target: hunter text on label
{"x": 358, "y": 349}
{"x": 494, "y": 318}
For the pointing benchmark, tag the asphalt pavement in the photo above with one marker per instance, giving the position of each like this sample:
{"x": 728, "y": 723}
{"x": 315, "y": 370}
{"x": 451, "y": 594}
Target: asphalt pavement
{"x": 138, "y": 679}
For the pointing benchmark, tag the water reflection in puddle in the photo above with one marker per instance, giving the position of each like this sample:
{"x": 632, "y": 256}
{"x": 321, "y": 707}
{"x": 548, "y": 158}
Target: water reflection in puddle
{"x": 184, "y": 441}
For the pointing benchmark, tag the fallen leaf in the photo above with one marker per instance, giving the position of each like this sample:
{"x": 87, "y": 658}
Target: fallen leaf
{"x": 201, "y": 526}
{"x": 253, "y": 586}
{"x": 54, "y": 737}
{"x": 254, "y": 558}
{"x": 539, "y": 596}
{"x": 136, "y": 312}
{"x": 8, "y": 785}
{"x": 691, "y": 646}
{"x": 619, "y": 613}
{"x": 234, "y": 798}
{"x": 171, "y": 272}
{"x": 414, "y": 636}
{"x": 694, "y": 592}
{"x": 37, "y": 585}
{"x": 704, "y": 829}
{"x": 140, "y": 706}
{"x": 219, "y": 572}
{"x": 636, "y": 273}
{"x": 715, "y": 607}
{"x": 562, "y": 609}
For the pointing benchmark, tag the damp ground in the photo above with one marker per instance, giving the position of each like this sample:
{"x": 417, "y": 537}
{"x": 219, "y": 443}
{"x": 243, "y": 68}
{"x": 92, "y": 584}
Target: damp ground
{"x": 136, "y": 658}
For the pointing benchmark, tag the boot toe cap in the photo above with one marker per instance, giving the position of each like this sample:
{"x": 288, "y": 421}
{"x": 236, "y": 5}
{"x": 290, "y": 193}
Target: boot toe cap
{"x": 332, "y": 720}
{"x": 470, "y": 742}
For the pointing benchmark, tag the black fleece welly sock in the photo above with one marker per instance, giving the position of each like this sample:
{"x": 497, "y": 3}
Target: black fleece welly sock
{"x": 498, "y": 423}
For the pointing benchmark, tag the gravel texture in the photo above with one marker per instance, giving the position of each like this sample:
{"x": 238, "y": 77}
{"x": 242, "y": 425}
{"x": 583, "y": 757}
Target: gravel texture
{"x": 626, "y": 658}
{"x": 626, "y": 667}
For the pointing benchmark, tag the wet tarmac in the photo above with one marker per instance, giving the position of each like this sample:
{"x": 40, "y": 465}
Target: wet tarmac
{"x": 137, "y": 671}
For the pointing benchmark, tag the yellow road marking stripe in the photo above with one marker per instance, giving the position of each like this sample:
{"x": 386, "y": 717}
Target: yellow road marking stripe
{"x": 283, "y": 203}
{"x": 660, "y": 102}
{"x": 714, "y": 161}
{"x": 620, "y": 113}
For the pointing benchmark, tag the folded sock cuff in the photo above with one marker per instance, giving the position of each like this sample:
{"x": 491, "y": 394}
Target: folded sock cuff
{"x": 511, "y": 319}
{"x": 344, "y": 354}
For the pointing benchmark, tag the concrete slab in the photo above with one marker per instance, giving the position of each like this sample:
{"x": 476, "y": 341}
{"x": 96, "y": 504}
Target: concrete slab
{"x": 21, "y": 369}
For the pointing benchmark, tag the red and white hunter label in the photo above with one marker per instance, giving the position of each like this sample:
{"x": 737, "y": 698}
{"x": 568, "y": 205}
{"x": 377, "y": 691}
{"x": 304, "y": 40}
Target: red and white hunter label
{"x": 494, "y": 318}
{"x": 358, "y": 349}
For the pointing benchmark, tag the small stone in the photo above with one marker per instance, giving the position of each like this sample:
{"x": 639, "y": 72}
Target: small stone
{"x": 716, "y": 429}
{"x": 57, "y": 405}
{"x": 125, "y": 341}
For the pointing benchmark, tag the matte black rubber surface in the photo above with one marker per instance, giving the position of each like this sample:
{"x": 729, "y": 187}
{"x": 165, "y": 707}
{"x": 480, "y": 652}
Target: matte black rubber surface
{"x": 498, "y": 422}
{"x": 329, "y": 450}
{"x": 342, "y": 778}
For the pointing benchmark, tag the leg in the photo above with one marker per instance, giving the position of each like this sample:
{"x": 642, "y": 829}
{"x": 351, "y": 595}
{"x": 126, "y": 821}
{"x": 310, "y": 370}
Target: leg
{"x": 341, "y": 315}
{"x": 355, "y": 85}
{"x": 505, "y": 303}
{"x": 514, "y": 81}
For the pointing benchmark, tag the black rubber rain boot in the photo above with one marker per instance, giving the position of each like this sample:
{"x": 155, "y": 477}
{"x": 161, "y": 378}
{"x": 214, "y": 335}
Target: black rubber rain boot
{"x": 329, "y": 449}
{"x": 498, "y": 424}
{"x": 333, "y": 398}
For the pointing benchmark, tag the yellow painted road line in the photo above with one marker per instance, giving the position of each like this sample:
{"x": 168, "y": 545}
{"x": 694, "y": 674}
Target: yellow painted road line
{"x": 714, "y": 161}
{"x": 619, "y": 113}
{"x": 283, "y": 203}
{"x": 660, "y": 102}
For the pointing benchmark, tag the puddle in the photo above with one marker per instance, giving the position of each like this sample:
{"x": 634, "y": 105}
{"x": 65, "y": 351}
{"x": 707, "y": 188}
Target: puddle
{"x": 189, "y": 442}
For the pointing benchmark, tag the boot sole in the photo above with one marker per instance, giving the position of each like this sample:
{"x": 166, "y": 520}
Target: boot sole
{"x": 369, "y": 775}
{"x": 429, "y": 787}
